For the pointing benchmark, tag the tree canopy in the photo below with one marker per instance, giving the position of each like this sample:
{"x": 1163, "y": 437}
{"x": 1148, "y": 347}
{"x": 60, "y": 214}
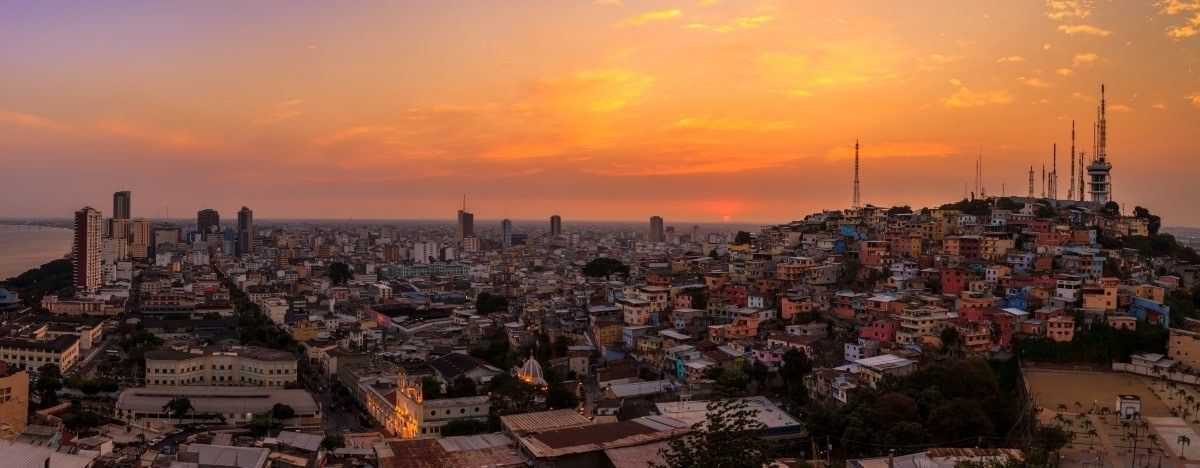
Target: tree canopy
{"x": 729, "y": 436}
{"x": 48, "y": 279}
{"x": 178, "y": 407}
{"x": 605, "y": 267}
{"x": 487, "y": 303}
{"x": 339, "y": 272}
{"x": 950, "y": 403}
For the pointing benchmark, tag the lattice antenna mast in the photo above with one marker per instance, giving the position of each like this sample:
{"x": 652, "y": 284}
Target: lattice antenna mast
{"x": 857, "y": 192}
{"x": 1054, "y": 172}
{"x": 1071, "y": 188}
{"x": 1103, "y": 149}
{"x": 1030, "y": 181}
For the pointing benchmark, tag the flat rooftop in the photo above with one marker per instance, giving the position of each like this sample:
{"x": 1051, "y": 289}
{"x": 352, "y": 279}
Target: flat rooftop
{"x": 695, "y": 412}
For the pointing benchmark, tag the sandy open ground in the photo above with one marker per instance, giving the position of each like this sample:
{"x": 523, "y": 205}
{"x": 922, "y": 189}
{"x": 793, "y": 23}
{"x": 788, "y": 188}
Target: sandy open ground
{"x": 1053, "y": 387}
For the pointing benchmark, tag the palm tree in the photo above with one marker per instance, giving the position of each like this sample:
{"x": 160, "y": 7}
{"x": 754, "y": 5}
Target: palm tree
{"x": 1092, "y": 434}
{"x": 1183, "y": 442}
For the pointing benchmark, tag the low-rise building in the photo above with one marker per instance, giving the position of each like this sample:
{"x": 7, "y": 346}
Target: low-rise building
{"x": 61, "y": 351}
{"x": 249, "y": 366}
{"x": 144, "y": 407}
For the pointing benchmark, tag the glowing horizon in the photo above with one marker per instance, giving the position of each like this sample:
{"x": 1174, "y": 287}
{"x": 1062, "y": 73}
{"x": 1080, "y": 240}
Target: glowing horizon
{"x": 605, "y": 110}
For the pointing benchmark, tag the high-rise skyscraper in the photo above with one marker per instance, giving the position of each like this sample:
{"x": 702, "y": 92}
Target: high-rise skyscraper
{"x": 656, "y": 229}
{"x": 121, "y": 202}
{"x": 208, "y": 221}
{"x": 85, "y": 250}
{"x": 506, "y": 233}
{"x": 466, "y": 223}
{"x": 245, "y": 232}
{"x": 556, "y": 225}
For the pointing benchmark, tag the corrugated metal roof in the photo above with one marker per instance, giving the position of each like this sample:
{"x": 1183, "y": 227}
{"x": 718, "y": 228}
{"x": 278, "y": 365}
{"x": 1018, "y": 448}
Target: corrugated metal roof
{"x": 543, "y": 421}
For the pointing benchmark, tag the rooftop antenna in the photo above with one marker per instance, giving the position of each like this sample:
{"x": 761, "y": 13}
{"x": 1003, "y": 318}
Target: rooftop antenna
{"x": 1071, "y": 187}
{"x": 1103, "y": 149}
{"x": 857, "y": 192}
{"x": 1043, "y": 180}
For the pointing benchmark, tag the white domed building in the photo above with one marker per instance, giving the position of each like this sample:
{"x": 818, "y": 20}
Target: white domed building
{"x": 531, "y": 372}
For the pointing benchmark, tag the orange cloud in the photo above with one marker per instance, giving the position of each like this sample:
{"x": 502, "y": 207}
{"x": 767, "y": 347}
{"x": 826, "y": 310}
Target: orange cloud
{"x": 280, "y": 112}
{"x": 650, "y": 17}
{"x": 30, "y": 121}
{"x": 936, "y": 61}
{"x": 676, "y": 165}
{"x": 140, "y": 133}
{"x": 1086, "y": 58}
{"x": 1011, "y": 59}
{"x": 966, "y": 98}
{"x": 732, "y": 124}
{"x": 897, "y": 149}
{"x": 1191, "y": 11}
{"x": 829, "y": 65}
{"x": 1068, "y": 9}
{"x": 1083, "y": 29}
{"x": 603, "y": 90}
{"x": 1035, "y": 82}
{"x": 737, "y": 24}
{"x": 1195, "y": 98}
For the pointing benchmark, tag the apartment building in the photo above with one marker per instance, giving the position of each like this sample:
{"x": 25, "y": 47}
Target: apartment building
{"x": 921, "y": 321}
{"x": 14, "y": 401}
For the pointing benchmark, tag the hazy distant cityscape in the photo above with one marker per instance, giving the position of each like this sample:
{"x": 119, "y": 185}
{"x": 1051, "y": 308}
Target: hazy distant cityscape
{"x": 600, "y": 234}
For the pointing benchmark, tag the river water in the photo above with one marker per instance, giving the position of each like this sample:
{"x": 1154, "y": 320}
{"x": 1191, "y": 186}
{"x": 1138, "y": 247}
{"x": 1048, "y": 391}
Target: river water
{"x": 24, "y": 247}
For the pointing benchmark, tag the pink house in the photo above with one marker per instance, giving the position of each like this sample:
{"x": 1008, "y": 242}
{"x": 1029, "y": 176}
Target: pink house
{"x": 881, "y": 330}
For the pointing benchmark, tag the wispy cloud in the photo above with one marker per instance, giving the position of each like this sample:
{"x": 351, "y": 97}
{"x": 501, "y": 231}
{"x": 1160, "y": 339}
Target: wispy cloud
{"x": 672, "y": 163}
{"x": 936, "y": 61}
{"x": 1059, "y": 10}
{"x": 818, "y": 67}
{"x": 30, "y": 121}
{"x": 1189, "y": 10}
{"x": 1064, "y": 71}
{"x": 737, "y": 24}
{"x": 1194, "y": 98}
{"x": 1035, "y": 82}
{"x": 1084, "y": 58}
{"x": 894, "y": 149}
{"x": 145, "y": 134}
{"x": 732, "y": 124}
{"x": 1120, "y": 108}
{"x": 965, "y": 98}
{"x": 279, "y": 112}
{"x": 1084, "y": 30}
{"x": 650, "y": 17}
{"x": 1011, "y": 59}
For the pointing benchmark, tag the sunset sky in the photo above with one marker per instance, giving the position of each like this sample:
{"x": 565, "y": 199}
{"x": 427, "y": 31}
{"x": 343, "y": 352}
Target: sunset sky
{"x": 696, "y": 110}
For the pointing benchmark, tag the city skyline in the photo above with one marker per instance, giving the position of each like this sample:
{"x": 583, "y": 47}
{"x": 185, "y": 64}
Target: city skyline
{"x": 698, "y": 111}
